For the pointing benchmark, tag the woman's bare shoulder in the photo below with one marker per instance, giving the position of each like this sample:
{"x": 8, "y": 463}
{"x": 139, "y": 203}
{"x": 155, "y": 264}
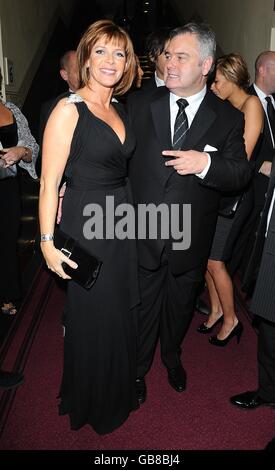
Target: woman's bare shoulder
{"x": 64, "y": 109}
{"x": 252, "y": 104}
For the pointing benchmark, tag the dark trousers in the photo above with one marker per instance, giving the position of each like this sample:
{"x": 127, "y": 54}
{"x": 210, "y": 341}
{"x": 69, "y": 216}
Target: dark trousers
{"x": 266, "y": 360}
{"x": 167, "y": 304}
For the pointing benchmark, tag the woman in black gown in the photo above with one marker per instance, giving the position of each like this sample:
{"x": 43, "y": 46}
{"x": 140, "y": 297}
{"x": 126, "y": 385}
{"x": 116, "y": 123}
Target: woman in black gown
{"x": 88, "y": 136}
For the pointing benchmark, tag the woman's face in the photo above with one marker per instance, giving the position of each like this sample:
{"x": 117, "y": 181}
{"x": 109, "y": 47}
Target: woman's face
{"x": 221, "y": 86}
{"x": 107, "y": 62}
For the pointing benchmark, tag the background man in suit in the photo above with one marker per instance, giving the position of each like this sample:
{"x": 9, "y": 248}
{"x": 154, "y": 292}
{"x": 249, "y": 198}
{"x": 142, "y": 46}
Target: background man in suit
{"x": 68, "y": 69}
{"x": 169, "y": 279}
{"x": 69, "y": 73}
{"x": 263, "y": 87}
{"x": 263, "y": 305}
{"x": 155, "y": 45}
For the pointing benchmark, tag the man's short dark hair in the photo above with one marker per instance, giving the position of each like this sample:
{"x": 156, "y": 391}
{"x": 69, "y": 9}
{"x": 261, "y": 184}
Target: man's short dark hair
{"x": 156, "y": 41}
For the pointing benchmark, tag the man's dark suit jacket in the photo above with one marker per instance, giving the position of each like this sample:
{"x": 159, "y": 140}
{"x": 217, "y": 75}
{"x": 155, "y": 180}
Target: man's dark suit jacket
{"x": 260, "y": 184}
{"x": 264, "y": 153}
{"x": 263, "y": 300}
{"x": 216, "y": 123}
{"x": 149, "y": 86}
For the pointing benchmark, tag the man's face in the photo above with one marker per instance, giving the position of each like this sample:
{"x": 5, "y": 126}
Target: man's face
{"x": 185, "y": 72}
{"x": 269, "y": 75}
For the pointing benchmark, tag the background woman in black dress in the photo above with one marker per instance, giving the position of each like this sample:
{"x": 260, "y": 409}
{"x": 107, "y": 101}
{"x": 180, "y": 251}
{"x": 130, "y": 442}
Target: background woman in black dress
{"x": 88, "y": 136}
{"x": 19, "y": 148}
{"x": 231, "y": 83}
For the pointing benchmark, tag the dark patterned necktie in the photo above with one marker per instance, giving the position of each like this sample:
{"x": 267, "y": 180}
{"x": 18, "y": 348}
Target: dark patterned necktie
{"x": 181, "y": 125}
{"x": 271, "y": 115}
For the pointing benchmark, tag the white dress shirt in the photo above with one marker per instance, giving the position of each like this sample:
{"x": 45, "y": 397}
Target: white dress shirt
{"x": 159, "y": 81}
{"x": 194, "y": 102}
{"x": 262, "y": 96}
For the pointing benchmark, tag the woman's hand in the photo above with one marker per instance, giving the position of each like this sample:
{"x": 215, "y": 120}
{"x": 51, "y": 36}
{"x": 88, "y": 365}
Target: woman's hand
{"x": 14, "y": 155}
{"x": 54, "y": 259}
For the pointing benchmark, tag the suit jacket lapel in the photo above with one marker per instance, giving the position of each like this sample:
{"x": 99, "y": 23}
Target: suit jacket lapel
{"x": 160, "y": 109}
{"x": 269, "y": 194}
{"x": 202, "y": 121}
{"x": 271, "y": 185}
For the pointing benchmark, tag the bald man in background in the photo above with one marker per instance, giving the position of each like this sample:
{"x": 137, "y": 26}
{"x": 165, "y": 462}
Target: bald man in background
{"x": 68, "y": 70}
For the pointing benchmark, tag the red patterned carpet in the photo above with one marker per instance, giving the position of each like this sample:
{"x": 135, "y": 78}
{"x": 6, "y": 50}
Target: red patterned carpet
{"x": 200, "y": 418}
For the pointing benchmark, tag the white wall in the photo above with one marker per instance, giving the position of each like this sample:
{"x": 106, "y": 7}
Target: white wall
{"x": 26, "y": 28}
{"x": 242, "y": 26}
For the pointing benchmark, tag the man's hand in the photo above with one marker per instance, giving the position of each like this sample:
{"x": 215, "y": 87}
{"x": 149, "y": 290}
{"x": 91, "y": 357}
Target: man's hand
{"x": 189, "y": 162}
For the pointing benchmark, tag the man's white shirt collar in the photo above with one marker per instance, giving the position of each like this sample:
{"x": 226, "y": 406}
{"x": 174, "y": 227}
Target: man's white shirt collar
{"x": 194, "y": 100}
{"x": 263, "y": 95}
{"x": 159, "y": 81}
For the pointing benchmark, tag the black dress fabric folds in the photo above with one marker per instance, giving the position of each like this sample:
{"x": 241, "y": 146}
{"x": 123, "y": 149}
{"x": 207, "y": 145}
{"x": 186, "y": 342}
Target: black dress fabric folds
{"x": 98, "y": 386}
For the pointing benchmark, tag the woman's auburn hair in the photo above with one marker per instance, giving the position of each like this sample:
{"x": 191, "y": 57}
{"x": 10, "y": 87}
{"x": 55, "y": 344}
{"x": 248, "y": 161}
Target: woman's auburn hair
{"x": 111, "y": 32}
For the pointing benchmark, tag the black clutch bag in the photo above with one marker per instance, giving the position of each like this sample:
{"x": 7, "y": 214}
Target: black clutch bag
{"x": 89, "y": 266}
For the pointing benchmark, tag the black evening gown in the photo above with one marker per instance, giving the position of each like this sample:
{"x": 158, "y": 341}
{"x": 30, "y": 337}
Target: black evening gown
{"x": 98, "y": 385}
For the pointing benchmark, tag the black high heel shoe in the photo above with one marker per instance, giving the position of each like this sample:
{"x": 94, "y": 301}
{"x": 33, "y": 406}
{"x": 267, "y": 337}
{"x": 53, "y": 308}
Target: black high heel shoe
{"x": 207, "y": 329}
{"x": 237, "y": 331}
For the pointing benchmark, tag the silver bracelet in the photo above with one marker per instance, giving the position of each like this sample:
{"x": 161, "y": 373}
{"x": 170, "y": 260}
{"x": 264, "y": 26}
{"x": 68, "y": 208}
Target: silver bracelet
{"x": 46, "y": 237}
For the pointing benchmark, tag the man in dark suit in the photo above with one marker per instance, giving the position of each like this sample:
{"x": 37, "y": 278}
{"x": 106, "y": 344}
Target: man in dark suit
{"x": 69, "y": 73}
{"x": 155, "y": 45}
{"x": 207, "y": 158}
{"x": 263, "y": 305}
{"x": 263, "y": 87}
{"x": 68, "y": 69}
